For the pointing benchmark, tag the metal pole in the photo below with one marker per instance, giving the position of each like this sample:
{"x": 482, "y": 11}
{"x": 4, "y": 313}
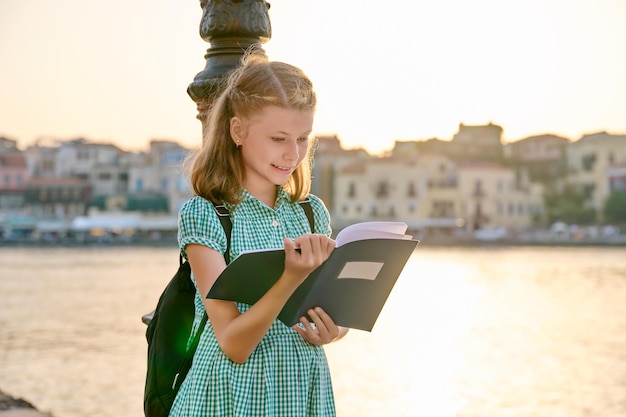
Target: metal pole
{"x": 231, "y": 27}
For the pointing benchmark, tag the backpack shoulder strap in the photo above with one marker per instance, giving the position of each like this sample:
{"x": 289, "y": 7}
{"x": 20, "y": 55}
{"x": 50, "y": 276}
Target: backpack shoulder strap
{"x": 224, "y": 216}
{"x": 306, "y": 205}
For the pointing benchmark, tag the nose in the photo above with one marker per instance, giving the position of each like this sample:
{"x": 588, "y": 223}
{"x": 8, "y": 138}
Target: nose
{"x": 292, "y": 153}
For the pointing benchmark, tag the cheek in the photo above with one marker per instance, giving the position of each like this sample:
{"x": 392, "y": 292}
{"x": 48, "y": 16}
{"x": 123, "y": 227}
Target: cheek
{"x": 303, "y": 150}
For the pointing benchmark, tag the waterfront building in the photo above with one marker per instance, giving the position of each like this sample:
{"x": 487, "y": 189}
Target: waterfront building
{"x": 58, "y": 198}
{"x": 491, "y": 196}
{"x": 444, "y": 205}
{"x": 381, "y": 189}
{"x": 13, "y": 178}
{"x": 7, "y": 145}
{"x": 328, "y": 155}
{"x": 469, "y": 143}
{"x": 100, "y": 164}
{"x": 477, "y": 143}
{"x": 591, "y": 162}
{"x": 617, "y": 177}
{"x": 542, "y": 157}
{"x": 159, "y": 177}
{"x": 454, "y": 188}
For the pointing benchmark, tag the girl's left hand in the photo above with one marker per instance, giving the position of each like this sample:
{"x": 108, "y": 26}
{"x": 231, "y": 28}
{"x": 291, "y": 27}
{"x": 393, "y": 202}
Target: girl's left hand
{"x": 325, "y": 330}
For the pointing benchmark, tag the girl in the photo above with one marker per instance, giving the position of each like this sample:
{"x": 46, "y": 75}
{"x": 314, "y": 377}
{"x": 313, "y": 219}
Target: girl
{"x": 255, "y": 159}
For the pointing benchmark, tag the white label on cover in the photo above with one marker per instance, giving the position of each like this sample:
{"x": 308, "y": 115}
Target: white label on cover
{"x": 361, "y": 270}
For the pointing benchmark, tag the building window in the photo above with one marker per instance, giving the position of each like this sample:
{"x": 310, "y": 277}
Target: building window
{"x": 589, "y": 161}
{"x": 382, "y": 189}
{"x": 479, "y": 210}
{"x": 352, "y": 190}
{"x": 412, "y": 192}
{"x": 478, "y": 188}
{"x": 104, "y": 176}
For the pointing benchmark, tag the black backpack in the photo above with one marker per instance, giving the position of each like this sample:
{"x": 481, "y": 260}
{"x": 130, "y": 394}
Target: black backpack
{"x": 169, "y": 328}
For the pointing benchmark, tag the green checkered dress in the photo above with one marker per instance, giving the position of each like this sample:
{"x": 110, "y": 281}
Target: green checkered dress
{"x": 285, "y": 375}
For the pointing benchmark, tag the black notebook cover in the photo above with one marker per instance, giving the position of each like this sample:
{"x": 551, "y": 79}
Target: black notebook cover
{"x": 352, "y": 286}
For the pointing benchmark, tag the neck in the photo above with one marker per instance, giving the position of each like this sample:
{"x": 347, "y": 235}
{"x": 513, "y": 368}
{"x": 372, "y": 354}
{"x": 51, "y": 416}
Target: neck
{"x": 266, "y": 196}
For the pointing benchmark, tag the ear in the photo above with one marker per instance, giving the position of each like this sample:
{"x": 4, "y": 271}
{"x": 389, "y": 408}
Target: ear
{"x": 236, "y": 130}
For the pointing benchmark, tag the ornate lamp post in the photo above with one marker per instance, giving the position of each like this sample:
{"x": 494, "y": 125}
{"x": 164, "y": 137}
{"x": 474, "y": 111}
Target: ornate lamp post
{"x": 231, "y": 27}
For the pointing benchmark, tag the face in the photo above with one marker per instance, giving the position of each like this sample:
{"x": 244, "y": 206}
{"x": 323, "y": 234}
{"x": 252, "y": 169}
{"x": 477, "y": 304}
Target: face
{"x": 273, "y": 142}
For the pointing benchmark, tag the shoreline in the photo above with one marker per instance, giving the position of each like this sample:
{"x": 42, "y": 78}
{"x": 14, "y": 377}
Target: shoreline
{"x": 435, "y": 242}
{"x": 18, "y": 407}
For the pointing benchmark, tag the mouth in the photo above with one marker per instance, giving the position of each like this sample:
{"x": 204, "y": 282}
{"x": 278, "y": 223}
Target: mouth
{"x": 282, "y": 168}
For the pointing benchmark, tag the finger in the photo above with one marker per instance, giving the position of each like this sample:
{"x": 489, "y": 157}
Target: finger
{"x": 311, "y": 333}
{"x": 304, "y": 244}
{"x": 320, "y": 326}
{"x": 306, "y": 324}
{"x": 290, "y": 248}
{"x": 324, "y": 323}
{"x": 308, "y": 335}
{"x": 323, "y": 247}
{"x": 289, "y": 244}
{"x": 330, "y": 245}
{"x": 317, "y": 246}
{"x": 299, "y": 330}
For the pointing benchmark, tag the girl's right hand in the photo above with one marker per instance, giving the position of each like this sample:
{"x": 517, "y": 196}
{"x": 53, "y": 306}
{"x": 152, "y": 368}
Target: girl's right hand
{"x": 314, "y": 250}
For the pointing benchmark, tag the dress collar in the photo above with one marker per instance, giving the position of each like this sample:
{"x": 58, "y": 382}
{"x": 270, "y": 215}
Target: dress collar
{"x": 281, "y": 197}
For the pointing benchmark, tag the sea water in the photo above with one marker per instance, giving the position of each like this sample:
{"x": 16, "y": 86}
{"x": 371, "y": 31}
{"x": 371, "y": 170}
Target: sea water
{"x": 466, "y": 332}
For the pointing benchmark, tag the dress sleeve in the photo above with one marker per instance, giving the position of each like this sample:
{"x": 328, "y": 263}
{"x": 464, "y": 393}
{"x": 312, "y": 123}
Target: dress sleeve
{"x": 198, "y": 224}
{"x": 320, "y": 215}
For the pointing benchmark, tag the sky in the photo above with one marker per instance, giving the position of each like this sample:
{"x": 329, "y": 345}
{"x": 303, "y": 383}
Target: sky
{"x": 117, "y": 71}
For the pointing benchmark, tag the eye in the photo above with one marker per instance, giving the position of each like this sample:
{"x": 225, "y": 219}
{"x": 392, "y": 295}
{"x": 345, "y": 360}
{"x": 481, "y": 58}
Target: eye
{"x": 303, "y": 139}
{"x": 278, "y": 139}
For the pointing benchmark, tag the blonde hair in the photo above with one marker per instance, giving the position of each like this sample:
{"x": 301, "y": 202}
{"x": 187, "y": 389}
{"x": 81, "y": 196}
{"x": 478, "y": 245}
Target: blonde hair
{"x": 216, "y": 170}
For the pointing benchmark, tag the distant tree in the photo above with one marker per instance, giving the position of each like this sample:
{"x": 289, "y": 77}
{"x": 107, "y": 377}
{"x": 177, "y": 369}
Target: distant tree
{"x": 615, "y": 207}
{"x": 568, "y": 207}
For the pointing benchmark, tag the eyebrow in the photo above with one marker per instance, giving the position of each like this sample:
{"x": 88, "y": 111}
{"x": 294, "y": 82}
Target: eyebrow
{"x": 282, "y": 132}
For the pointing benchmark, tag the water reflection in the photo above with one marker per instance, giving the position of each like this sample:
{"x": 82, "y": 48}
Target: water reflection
{"x": 512, "y": 332}
{"x": 509, "y": 332}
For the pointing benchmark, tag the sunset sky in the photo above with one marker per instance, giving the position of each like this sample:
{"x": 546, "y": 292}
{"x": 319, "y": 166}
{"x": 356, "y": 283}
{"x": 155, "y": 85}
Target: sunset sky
{"x": 117, "y": 70}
